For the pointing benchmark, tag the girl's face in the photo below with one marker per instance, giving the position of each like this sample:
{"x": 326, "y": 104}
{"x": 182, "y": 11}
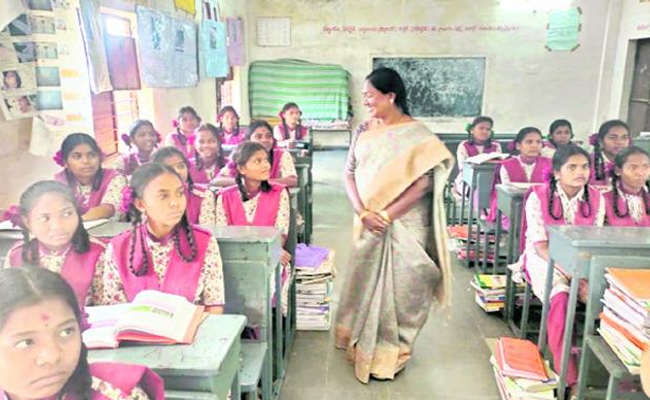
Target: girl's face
{"x": 377, "y": 103}
{"x": 562, "y": 135}
{"x": 53, "y": 221}
{"x": 11, "y": 80}
{"x": 163, "y": 201}
{"x": 635, "y": 171}
{"x": 83, "y": 162}
{"x": 574, "y": 172}
{"x": 617, "y": 139}
{"x": 145, "y": 138}
{"x": 40, "y": 347}
{"x": 178, "y": 165}
{"x": 188, "y": 122}
{"x": 257, "y": 167}
{"x": 481, "y": 131}
{"x": 292, "y": 116}
{"x": 207, "y": 145}
{"x": 264, "y": 137}
{"x": 531, "y": 146}
{"x": 229, "y": 121}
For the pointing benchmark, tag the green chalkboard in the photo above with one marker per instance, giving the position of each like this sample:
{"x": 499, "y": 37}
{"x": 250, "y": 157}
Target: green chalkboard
{"x": 440, "y": 86}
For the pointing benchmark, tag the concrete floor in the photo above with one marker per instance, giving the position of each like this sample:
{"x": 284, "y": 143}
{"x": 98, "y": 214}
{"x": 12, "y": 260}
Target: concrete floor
{"x": 450, "y": 359}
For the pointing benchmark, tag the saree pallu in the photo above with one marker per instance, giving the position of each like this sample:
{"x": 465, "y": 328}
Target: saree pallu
{"x": 394, "y": 278}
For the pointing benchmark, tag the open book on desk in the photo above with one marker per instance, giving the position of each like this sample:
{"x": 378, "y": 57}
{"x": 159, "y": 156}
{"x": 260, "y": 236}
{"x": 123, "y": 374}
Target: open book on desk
{"x": 486, "y": 157}
{"x": 153, "y": 318}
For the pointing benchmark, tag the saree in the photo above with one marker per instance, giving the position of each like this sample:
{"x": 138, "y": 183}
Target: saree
{"x": 393, "y": 279}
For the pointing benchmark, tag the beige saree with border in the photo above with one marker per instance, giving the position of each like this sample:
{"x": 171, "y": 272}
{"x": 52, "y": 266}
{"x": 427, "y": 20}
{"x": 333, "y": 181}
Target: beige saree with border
{"x": 393, "y": 279}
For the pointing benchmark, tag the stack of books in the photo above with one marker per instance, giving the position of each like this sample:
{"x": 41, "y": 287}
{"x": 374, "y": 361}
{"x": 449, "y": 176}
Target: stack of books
{"x": 625, "y": 320}
{"x": 315, "y": 273}
{"x": 490, "y": 292}
{"x": 520, "y": 371}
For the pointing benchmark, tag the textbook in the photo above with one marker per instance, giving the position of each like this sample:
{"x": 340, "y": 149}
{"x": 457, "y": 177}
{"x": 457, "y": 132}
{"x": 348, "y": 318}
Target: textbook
{"x": 153, "y": 318}
{"x": 486, "y": 157}
{"x": 315, "y": 273}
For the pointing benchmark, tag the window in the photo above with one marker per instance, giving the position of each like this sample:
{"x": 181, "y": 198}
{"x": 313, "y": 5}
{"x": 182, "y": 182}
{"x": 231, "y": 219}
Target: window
{"x": 115, "y": 111}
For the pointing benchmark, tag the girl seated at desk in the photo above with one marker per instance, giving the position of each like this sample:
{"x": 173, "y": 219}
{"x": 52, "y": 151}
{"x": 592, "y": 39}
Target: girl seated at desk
{"x": 208, "y": 158}
{"x": 253, "y": 201}
{"x": 560, "y": 134}
{"x": 526, "y": 167}
{"x": 612, "y": 137}
{"x": 566, "y": 200}
{"x": 229, "y": 131}
{"x": 290, "y": 129}
{"x": 200, "y": 200}
{"x": 96, "y": 189}
{"x": 182, "y": 135}
{"x": 41, "y": 352}
{"x": 162, "y": 251}
{"x": 479, "y": 141}
{"x": 60, "y": 242}
{"x": 628, "y": 201}
{"x": 283, "y": 169}
{"x": 141, "y": 141}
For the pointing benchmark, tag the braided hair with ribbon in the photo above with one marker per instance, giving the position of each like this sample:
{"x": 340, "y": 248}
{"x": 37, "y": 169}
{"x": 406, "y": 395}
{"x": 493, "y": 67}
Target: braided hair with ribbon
{"x": 136, "y": 190}
{"x": 560, "y": 158}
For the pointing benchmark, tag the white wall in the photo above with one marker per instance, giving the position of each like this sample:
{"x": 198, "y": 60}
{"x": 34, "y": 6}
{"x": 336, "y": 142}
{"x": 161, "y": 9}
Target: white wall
{"x": 634, "y": 24}
{"x": 525, "y": 83}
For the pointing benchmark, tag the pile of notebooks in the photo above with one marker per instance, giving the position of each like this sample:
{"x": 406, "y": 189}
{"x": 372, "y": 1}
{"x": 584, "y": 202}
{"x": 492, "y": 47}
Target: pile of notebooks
{"x": 625, "y": 319}
{"x": 520, "y": 371}
{"x": 315, "y": 273}
{"x": 490, "y": 292}
{"x": 458, "y": 236}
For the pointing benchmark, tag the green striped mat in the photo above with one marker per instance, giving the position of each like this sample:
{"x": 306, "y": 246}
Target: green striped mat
{"x": 320, "y": 90}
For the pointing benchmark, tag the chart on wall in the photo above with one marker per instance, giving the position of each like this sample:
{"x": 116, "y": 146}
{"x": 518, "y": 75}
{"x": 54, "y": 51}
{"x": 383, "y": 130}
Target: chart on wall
{"x": 167, "y": 49}
{"x": 440, "y": 86}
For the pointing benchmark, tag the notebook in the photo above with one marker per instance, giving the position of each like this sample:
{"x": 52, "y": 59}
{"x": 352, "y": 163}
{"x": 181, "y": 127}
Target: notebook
{"x": 520, "y": 358}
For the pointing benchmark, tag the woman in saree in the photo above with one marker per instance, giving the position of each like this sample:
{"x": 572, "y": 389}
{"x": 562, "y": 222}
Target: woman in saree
{"x": 396, "y": 172}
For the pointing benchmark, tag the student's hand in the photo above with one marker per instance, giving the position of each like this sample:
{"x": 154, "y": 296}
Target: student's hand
{"x": 291, "y": 143}
{"x": 214, "y": 310}
{"x": 583, "y": 291}
{"x": 374, "y": 223}
{"x": 285, "y": 257}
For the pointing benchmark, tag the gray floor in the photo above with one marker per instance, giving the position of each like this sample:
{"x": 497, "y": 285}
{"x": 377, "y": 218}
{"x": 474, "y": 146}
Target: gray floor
{"x": 450, "y": 359}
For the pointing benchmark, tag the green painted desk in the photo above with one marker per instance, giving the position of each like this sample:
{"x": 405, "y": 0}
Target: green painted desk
{"x": 242, "y": 248}
{"x": 209, "y": 365}
{"x": 573, "y": 247}
{"x": 477, "y": 177}
{"x": 510, "y": 201}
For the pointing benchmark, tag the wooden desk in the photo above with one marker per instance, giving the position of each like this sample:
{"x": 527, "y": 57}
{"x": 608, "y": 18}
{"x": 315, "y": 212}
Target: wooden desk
{"x": 211, "y": 364}
{"x": 477, "y": 177}
{"x": 573, "y": 247}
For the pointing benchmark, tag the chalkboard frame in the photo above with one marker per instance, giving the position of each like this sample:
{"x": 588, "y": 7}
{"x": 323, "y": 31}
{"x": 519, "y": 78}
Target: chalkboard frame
{"x": 442, "y": 118}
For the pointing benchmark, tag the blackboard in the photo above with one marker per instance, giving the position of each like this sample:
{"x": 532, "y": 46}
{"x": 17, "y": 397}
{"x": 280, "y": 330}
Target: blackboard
{"x": 440, "y": 87}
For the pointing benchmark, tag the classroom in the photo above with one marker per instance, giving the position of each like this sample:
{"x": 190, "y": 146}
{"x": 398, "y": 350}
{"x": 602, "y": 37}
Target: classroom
{"x": 325, "y": 199}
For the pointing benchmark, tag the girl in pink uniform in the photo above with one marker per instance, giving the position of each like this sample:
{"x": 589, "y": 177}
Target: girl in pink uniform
{"x": 54, "y": 237}
{"x": 628, "y": 201}
{"x": 163, "y": 251}
{"x": 42, "y": 355}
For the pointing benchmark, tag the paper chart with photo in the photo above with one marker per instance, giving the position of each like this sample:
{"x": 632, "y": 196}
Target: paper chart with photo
{"x": 36, "y": 40}
{"x": 17, "y": 77}
{"x": 20, "y": 104}
{"x": 167, "y": 49}
{"x": 213, "y": 49}
{"x": 184, "y": 59}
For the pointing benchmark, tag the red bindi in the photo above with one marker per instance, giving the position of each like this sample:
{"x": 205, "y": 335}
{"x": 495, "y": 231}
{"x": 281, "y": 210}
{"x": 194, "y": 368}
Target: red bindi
{"x": 45, "y": 317}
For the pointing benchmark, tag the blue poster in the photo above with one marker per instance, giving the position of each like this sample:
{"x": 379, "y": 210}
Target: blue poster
{"x": 214, "y": 51}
